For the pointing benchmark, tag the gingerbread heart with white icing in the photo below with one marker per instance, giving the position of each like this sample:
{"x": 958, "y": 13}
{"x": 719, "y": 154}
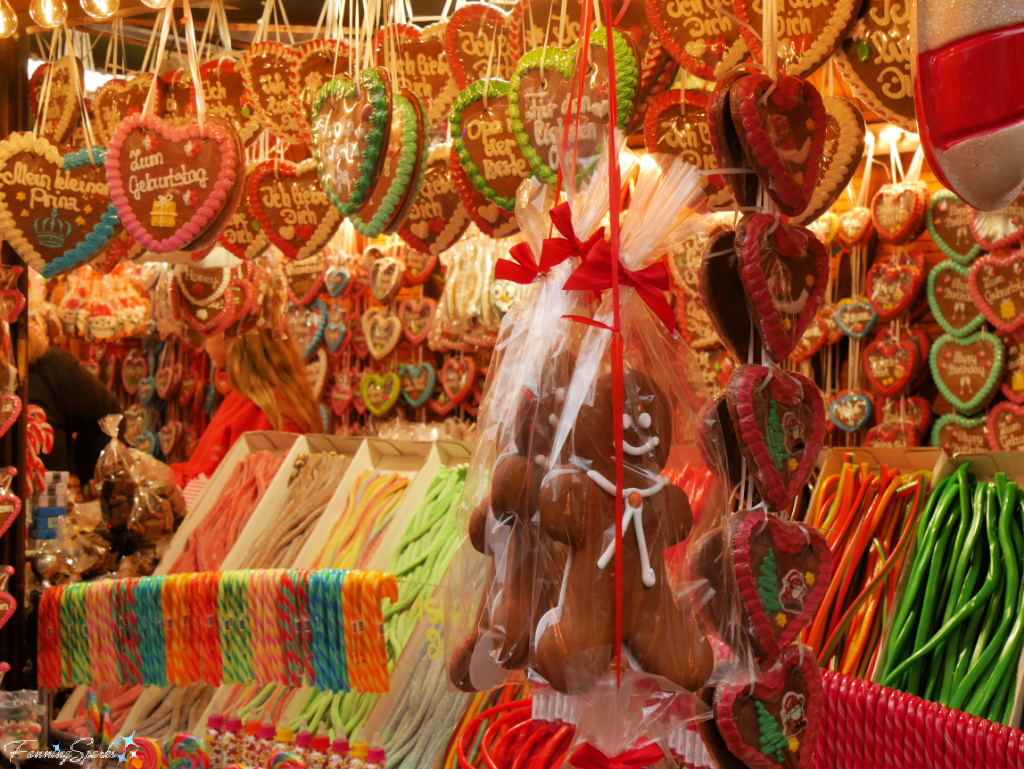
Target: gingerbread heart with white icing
{"x": 341, "y": 398}
{"x": 473, "y": 32}
{"x": 968, "y": 370}
{"x": 997, "y": 288}
{"x": 949, "y": 224}
{"x": 305, "y": 278}
{"x": 223, "y": 90}
{"x": 901, "y": 435}
{"x": 840, "y": 158}
{"x": 417, "y": 382}
{"x": 61, "y": 112}
{"x": 890, "y": 364}
{"x": 913, "y": 409}
{"x": 998, "y": 229}
{"x": 306, "y": 326}
{"x": 856, "y": 318}
{"x": 457, "y": 377}
{"x": 855, "y": 228}
{"x": 118, "y": 98}
{"x": 956, "y": 434}
{"x": 385, "y": 272}
{"x": 421, "y": 58}
{"x": 242, "y": 234}
{"x": 850, "y": 411}
{"x": 417, "y": 316}
{"x": 704, "y": 38}
{"x": 1005, "y": 425}
{"x": 266, "y": 70}
{"x": 383, "y": 332}
{"x": 898, "y": 211}
{"x": 1013, "y": 381}
{"x": 317, "y": 63}
{"x": 436, "y": 218}
{"x": 949, "y": 296}
{"x": 814, "y": 338}
{"x": 491, "y": 219}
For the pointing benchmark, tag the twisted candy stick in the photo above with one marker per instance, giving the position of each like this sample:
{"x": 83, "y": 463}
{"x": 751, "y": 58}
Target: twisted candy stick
{"x": 49, "y": 654}
{"x": 376, "y": 586}
{"x": 106, "y": 727}
{"x": 93, "y": 718}
{"x": 186, "y": 751}
{"x": 284, "y": 759}
{"x": 127, "y": 630}
{"x": 147, "y": 754}
{"x": 286, "y": 607}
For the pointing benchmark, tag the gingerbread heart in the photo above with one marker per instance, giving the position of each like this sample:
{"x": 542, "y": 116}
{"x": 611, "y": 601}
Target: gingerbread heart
{"x": 223, "y": 89}
{"x": 380, "y": 392}
{"x": 901, "y": 435}
{"x": 291, "y": 208}
{"x": 685, "y": 259}
{"x": 336, "y": 280}
{"x": 1013, "y": 381}
{"x": 178, "y": 95}
{"x": 306, "y": 326}
{"x": 968, "y": 370}
{"x": 997, "y": 288}
{"x": 341, "y": 398}
{"x": 539, "y": 101}
{"x": 785, "y": 270}
{"x": 382, "y": 332}
{"x": 704, "y": 38}
{"x": 855, "y": 228}
{"x": 814, "y": 338}
{"x": 167, "y": 380}
{"x": 418, "y": 381}
{"x": 855, "y": 318}
{"x": 419, "y": 54}
{"x": 12, "y": 301}
{"x": 134, "y": 369}
{"x": 242, "y": 234}
{"x": 913, "y": 409}
{"x": 436, "y": 219}
{"x": 10, "y": 506}
{"x": 305, "y": 277}
{"x": 55, "y": 208}
{"x": 850, "y": 411}
{"x": 779, "y": 418}
{"x": 266, "y": 70}
{"x": 491, "y": 219}
{"x": 720, "y": 287}
{"x": 188, "y": 389}
{"x": 892, "y": 288}
{"x": 840, "y": 158}
{"x": 956, "y": 434}
{"x": 118, "y": 98}
{"x": 825, "y": 227}
{"x": 209, "y": 299}
{"x": 170, "y": 183}
{"x": 385, "y": 274}
{"x": 147, "y": 389}
{"x": 783, "y": 136}
{"x": 457, "y": 378}
{"x": 782, "y": 572}
{"x": 773, "y": 723}
{"x": 317, "y": 63}
{"x": 336, "y": 335}
{"x": 222, "y": 383}
{"x": 483, "y": 138}
{"x": 473, "y": 32}
{"x": 743, "y": 185}
{"x": 10, "y": 409}
{"x": 170, "y": 434}
{"x": 949, "y": 224}
{"x": 827, "y": 313}
{"x": 351, "y": 120}
{"x": 949, "y": 296}
{"x": 417, "y": 316}
{"x": 998, "y": 229}
{"x": 898, "y": 211}
{"x": 890, "y": 364}
{"x": 359, "y": 344}
{"x": 62, "y": 111}
{"x": 442, "y": 405}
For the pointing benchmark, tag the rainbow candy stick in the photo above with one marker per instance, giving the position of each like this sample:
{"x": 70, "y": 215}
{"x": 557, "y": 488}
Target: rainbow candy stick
{"x": 147, "y": 755}
{"x": 106, "y": 725}
{"x": 93, "y": 718}
{"x": 186, "y": 751}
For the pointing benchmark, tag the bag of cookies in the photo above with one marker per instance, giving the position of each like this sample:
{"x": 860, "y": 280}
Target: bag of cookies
{"x": 158, "y": 507}
{"x": 114, "y": 482}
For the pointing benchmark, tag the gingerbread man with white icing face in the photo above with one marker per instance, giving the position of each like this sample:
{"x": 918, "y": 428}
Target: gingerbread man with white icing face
{"x": 575, "y": 640}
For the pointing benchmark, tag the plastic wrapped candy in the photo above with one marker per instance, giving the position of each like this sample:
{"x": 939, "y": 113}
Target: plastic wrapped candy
{"x": 157, "y": 509}
{"x": 113, "y": 476}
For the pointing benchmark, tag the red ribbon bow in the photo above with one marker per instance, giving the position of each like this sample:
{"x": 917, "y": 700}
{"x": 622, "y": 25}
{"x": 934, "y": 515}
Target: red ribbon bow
{"x": 595, "y": 274}
{"x": 640, "y": 756}
{"x": 525, "y": 268}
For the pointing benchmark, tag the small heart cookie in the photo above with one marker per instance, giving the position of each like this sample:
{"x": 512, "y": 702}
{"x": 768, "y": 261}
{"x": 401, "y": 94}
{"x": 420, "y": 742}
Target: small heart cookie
{"x": 949, "y": 224}
{"x": 997, "y": 288}
{"x": 893, "y": 288}
{"x": 382, "y": 332}
{"x": 950, "y": 300}
{"x": 968, "y": 370}
{"x": 850, "y": 411}
{"x": 956, "y": 434}
{"x": 418, "y": 381}
{"x": 380, "y": 392}
{"x": 898, "y": 211}
{"x": 901, "y": 435}
{"x": 891, "y": 364}
{"x": 840, "y": 158}
{"x": 998, "y": 229}
{"x": 436, "y": 219}
{"x": 856, "y": 317}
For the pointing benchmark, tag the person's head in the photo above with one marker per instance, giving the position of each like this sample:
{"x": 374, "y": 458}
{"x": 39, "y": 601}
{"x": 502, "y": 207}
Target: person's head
{"x": 269, "y": 372}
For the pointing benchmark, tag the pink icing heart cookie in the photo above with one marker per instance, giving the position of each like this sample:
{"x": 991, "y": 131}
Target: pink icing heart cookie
{"x": 997, "y": 287}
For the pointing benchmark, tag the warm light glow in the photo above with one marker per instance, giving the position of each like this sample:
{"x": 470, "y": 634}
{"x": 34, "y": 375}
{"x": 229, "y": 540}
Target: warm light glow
{"x": 8, "y": 19}
{"x": 99, "y": 9}
{"x": 891, "y": 134}
{"x": 158, "y": 4}
{"x": 48, "y": 14}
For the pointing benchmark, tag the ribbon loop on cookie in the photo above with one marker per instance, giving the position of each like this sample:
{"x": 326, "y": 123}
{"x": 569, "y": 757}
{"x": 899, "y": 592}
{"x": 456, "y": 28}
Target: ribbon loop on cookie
{"x": 645, "y": 754}
{"x": 595, "y": 274}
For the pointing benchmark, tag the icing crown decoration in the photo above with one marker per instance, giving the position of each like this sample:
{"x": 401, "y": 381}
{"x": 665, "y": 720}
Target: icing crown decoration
{"x": 51, "y": 232}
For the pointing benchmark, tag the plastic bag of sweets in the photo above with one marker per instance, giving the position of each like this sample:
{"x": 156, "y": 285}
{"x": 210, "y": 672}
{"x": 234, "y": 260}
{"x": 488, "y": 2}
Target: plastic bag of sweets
{"x": 113, "y": 477}
{"x": 504, "y": 577}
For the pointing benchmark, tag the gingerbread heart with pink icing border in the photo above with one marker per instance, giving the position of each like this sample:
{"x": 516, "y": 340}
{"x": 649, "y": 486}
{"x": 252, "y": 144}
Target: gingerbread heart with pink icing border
{"x": 997, "y": 287}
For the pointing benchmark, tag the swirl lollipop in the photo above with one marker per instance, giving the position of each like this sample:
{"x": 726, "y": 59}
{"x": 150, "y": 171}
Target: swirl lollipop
{"x": 186, "y": 751}
{"x": 284, "y": 759}
{"x": 147, "y": 755}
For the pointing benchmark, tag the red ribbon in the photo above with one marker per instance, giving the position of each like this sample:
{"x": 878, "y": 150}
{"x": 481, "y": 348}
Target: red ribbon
{"x": 524, "y": 267}
{"x": 595, "y": 274}
{"x": 523, "y": 270}
{"x": 640, "y": 756}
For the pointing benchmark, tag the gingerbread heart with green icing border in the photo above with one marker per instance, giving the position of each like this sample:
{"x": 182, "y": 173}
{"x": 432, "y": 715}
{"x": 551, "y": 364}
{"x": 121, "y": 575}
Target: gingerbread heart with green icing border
{"x": 782, "y": 572}
{"x": 997, "y": 288}
{"x": 418, "y": 380}
{"x": 484, "y": 139}
{"x": 55, "y": 208}
{"x": 949, "y": 297}
{"x": 968, "y": 370}
{"x": 539, "y": 102}
{"x": 349, "y": 156}
{"x": 774, "y": 723}
{"x": 954, "y": 434}
{"x": 402, "y": 172}
{"x": 779, "y": 418}
{"x": 949, "y": 224}
{"x": 380, "y": 392}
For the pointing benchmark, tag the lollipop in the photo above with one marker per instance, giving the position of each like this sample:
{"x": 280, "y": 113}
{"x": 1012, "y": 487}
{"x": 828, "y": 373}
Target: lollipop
{"x": 284, "y": 759}
{"x": 147, "y": 755}
{"x": 93, "y": 718}
{"x": 106, "y": 726}
{"x": 186, "y": 751}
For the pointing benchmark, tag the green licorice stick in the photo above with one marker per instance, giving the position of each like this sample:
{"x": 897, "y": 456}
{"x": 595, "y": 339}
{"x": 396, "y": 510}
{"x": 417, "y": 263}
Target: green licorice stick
{"x": 988, "y": 587}
{"x": 954, "y": 574}
{"x": 973, "y": 624}
{"x": 997, "y": 712}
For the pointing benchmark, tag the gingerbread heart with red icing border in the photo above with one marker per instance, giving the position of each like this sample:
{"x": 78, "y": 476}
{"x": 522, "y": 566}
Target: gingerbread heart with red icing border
{"x": 890, "y": 364}
{"x": 1005, "y": 425}
{"x": 893, "y": 288}
{"x": 417, "y": 316}
{"x": 457, "y": 377}
{"x": 903, "y": 435}
{"x": 1013, "y": 380}
{"x": 998, "y": 229}
{"x": 899, "y": 211}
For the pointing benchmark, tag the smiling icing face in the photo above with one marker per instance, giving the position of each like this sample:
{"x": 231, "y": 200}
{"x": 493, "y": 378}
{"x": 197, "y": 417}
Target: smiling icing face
{"x": 646, "y": 434}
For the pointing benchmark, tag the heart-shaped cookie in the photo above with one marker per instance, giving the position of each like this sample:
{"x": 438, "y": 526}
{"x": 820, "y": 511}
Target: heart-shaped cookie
{"x": 306, "y": 326}
{"x": 242, "y": 234}
{"x": 170, "y": 183}
{"x": 491, "y": 219}
{"x": 441, "y": 405}
{"x": 1006, "y": 427}
{"x": 436, "y": 218}
{"x": 997, "y": 288}
{"x": 968, "y": 370}
{"x": 12, "y": 301}
{"x": 685, "y": 259}
{"x": 209, "y": 299}
{"x": 1013, "y": 381}
{"x": 949, "y": 296}
{"x": 62, "y": 111}
{"x": 893, "y": 288}
{"x": 178, "y": 95}
{"x": 351, "y": 121}
{"x": 890, "y": 364}
{"x": 783, "y": 136}
{"x": 147, "y": 389}
{"x": 336, "y": 335}
{"x": 704, "y": 38}
{"x": 720, "y": 287}
{"x": 898, "y": 211}
{"x": 382, "y": 332}
{"x": 10, "y": 409}
{"x": 10, "y": 506}
{"x": 316, "y": 64}
{"x": 359, "y": 345}
{"x": 385, "y": 274}
{"x": 266, "y": 70}
{"x": 170, "y": 434}
{"x": 473, "y": 32}
{"x": 482, "y": 137}
{"x": 814, "y": 338}
{"x": 419, "y": 54}
{"x": 167, "y": 380}
{"x": 223, "y": 90}
{"x": 188, "y": 389}
{"x": 902, "y": 435}
{"x": 782, "y": 572}
{"x": 949, "y": 224}
{"x": 134, "y": 369}
{"x": 855, "y": 228}
{"x": 539, "y": 102}
{"x": 743, "y": 185}
{"x": 457, "y": 377}
{"x": 305, "y": 277}
{"x": 840, "y": 158}
{"x": 417, "y": 382}
{"x": 55, "y": 210}
{"x": 291, "y": 207}
{"x": 118, "y": 98}
{"x": 676, "y": 123}
{"x": 380, "y": 392}
{"x": 827, "y": 313}
{"x": 807, "y": 34}
{"x": 785, "y": 270}
{"x": 336, "y": 280}
{"x": 956, "y": 434}
{"x": 825, "y": 227}
{"x": 779, "y": 418}
{"x": 774, "y": 723}
{"x": 913, "y": 409}
{"x": 341, "y": 398}
{"x": 695, "y": 325}
{"x": 417, "y": 316}
{"x": 998, "y": 229}
{"x": 855, "y": 318}
{"x": 850, "y": 411}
